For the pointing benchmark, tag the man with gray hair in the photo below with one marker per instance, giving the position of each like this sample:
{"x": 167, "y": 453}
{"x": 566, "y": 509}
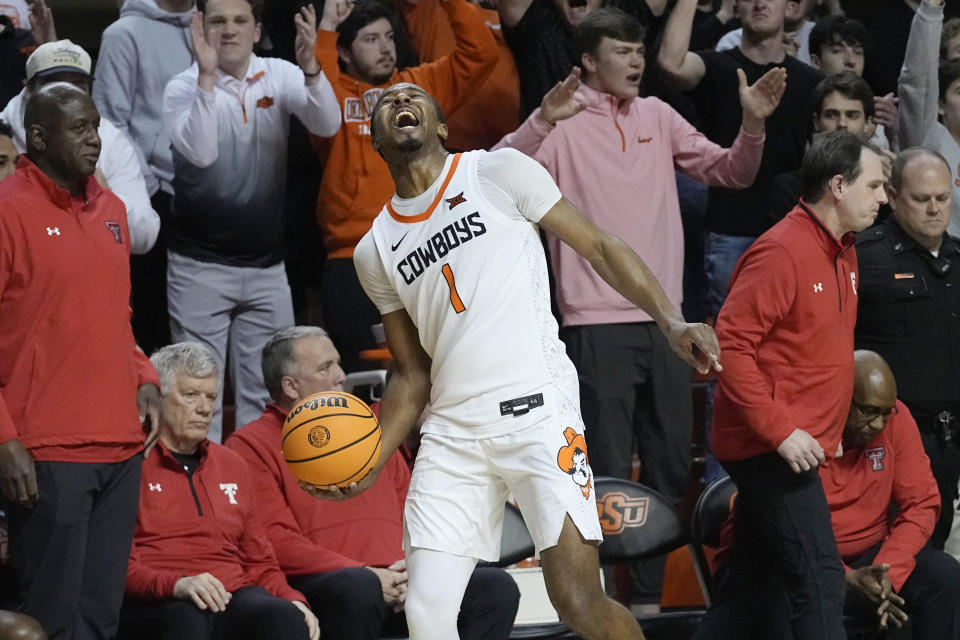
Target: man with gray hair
{"x": 74, "y": 389}
{"x": 345, "y": 557}
{"x": 201, "y": 566}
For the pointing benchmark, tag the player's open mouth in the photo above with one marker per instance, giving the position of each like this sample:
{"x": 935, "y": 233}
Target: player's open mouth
{"x": 634, "y": 77}
{"x": 406, "y": 119}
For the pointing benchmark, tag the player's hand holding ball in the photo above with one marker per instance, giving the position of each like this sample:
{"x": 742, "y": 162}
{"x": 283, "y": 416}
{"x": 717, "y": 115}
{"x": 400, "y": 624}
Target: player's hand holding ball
{"x": 332, "y": 443}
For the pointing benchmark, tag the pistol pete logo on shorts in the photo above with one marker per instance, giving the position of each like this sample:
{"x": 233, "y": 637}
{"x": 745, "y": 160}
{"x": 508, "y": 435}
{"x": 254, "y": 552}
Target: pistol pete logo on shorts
{"x": 319, "y": 436}
{"x": 572, "y": 459}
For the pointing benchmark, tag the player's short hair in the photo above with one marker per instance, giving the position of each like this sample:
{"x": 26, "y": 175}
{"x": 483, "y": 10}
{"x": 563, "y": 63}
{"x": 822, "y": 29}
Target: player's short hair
{"x": 951, "y": 29}
{"x": 948, "y": 74}
{"x": 850, "y": 86}
{"x": 837, "y": 29}
{"x": 605, "y": 22}
{"x": 190, "y": 358}
{"x": 906, "y": 156}
{"x": 256, "y": 8}
{"x": 830, "y": 154}
{"x": 277, "y": 359}
{"x": 6, "y": 129}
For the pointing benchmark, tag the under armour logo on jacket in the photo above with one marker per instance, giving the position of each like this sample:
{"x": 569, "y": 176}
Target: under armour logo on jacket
{"x": 155, "y": 487}
{"x": 818, "y": 287}
{"x": 230, "y": 488}
{"x": 53, "y": 231}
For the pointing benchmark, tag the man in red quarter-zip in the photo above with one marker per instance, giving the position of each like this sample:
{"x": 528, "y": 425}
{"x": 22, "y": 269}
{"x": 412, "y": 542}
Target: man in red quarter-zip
{"x": 786, "y": 331}
{"x": 201, "y": 567}
{"x": 74, "y": 389}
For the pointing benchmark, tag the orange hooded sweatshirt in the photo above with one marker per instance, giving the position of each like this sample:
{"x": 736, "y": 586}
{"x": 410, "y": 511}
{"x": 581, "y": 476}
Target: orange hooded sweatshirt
{"x": 356, "y": 181}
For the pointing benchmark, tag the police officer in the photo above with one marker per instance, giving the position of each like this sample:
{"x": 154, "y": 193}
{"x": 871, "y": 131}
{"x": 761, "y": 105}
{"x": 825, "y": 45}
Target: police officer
{"x": 909, "y": 310}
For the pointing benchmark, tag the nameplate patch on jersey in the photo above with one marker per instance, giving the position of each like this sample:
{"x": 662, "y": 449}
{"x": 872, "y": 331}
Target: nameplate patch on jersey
{"x": 440, "y": 244}
{"x": 902, "y": 276}
{"x": 521, "y": 406}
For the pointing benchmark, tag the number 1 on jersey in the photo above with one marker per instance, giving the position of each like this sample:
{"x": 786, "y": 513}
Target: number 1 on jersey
{"x": 454, "y": 296}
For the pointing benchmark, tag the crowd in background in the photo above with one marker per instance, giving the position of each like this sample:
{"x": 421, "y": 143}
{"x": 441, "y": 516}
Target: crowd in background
{"x": 236, "y": 135}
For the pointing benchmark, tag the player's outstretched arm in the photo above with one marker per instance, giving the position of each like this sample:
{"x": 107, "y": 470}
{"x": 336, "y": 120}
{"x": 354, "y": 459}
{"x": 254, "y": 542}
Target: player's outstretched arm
{"x": 622, "y": 269}
{"x": 404, "y": 399}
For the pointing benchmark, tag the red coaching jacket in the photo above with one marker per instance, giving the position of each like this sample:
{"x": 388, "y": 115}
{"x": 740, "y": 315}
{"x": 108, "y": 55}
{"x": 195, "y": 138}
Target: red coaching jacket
{"x": 311, "y": 535}
{"x": 69, "y": 367}
{"x": 786, "y": 340}
{"x": 209, "y": 528}
{"x": 861, "y": 485}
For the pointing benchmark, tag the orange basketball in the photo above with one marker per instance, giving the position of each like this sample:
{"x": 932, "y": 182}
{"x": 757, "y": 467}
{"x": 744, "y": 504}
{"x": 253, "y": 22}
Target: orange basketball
{"x": 331, "y": 438}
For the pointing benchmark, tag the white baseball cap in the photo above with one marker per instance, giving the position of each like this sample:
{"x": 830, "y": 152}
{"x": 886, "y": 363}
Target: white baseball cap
{"x": 54, "y": 57}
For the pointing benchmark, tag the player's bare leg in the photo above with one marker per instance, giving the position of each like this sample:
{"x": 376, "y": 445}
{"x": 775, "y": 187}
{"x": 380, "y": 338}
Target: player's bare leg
{"x": 571, "y": 570}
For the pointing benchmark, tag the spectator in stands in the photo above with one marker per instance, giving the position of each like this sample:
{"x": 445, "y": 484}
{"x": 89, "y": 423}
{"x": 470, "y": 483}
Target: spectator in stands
{"x": 8, "y": 151}
{"x": 909, "y": 312}
{"x": 117, "y": 168}
{"x": 493, "y": 110}
{"x": 228, "y": 117}
{"x": 633, "y": 387}
{"x": 18, "y": 39}
{"x": 842, "y": 102}
{"x": 201, "y": 566}
{"x": 786, "y": 333}
{"x": 950, "y": 40}
{"x": 926, "y": 91}
{"x": 837, "y": 45}
{"x": 76, "y": 390}
{"x": 797, "y": 32}
{"x": 139, "y": 53}
{"x": 356, "y": 48}
{"x": 736, "y": 218}
{"x": 346, "y": 557}
{"x": 539, "y": 33}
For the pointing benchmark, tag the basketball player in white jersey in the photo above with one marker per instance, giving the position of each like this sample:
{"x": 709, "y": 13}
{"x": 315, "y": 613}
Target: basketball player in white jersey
{"x": 455, "y": 265}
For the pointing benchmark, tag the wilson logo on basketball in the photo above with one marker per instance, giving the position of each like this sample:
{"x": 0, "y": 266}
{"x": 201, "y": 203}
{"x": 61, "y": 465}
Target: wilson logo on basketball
{"x": 319, "y": 437}
{"x": 617, "y": 511}
{"x": 316, "y": 403}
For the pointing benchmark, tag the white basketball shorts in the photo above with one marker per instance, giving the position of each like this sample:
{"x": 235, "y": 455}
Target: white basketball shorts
{"x": 459, "y": 487}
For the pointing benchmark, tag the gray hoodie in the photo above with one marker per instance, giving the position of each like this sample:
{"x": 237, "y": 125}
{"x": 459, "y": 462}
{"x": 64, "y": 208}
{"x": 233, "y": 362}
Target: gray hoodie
{"x": 920, "y": 98}
{"x": 139, "y": 53}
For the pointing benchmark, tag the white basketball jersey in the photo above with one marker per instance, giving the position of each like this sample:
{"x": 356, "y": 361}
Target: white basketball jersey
{"x": 466, "y": 262}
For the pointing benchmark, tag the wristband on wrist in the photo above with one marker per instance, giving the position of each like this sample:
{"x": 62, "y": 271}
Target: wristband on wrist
{"x": 313, "y": 75}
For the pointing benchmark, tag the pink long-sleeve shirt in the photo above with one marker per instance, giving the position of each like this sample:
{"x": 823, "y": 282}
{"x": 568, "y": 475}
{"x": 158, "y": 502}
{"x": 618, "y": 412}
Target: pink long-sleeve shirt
{"x": 615, "y": 162}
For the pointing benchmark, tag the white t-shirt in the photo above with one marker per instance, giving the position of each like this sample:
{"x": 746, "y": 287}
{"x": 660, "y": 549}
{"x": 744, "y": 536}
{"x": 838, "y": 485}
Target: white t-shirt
{"x": 465, "y": 260}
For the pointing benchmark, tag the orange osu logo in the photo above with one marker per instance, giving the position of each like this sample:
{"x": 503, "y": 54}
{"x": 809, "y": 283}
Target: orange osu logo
{"x": 319, "y": 436}
{"x": 265, "y": 102}
{"x": 574, "y": 461}
{"x": 617, "y": 511}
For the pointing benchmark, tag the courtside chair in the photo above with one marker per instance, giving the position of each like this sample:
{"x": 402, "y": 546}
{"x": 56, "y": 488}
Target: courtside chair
{"x": 639, "y": 523}
{"x": 711, "y": 511}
